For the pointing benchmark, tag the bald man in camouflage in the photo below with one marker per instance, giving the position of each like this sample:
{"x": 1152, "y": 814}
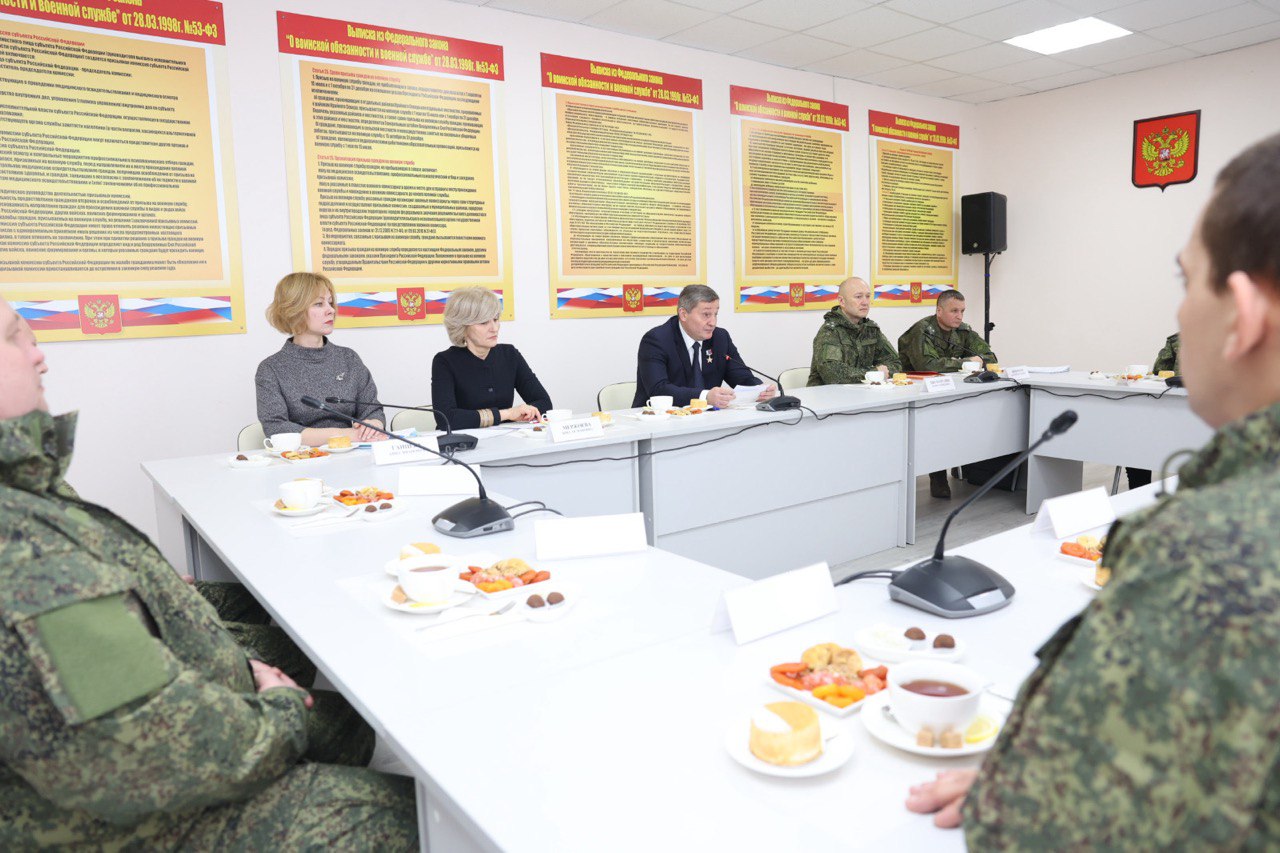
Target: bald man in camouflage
{"x": 129, "y": 714}
{"x": 1153, "y": 719}
{"x": 849, "y": 343}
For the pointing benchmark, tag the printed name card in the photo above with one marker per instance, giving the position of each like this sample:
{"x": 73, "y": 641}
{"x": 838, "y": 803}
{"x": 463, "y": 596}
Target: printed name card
{"x": 938, "y": 384}
{"x": 1071, "y": 515}
{"x": 777, "y": 603}
{"x": 593, "y": 536}
{"x": 392, "y": 452}
{"x": 1018, "y": 373}
{"x": 438, "y": 480}
{"x": 575, "y": 429}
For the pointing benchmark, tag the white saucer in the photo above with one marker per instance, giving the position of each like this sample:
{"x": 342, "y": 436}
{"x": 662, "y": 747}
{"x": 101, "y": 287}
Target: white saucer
{"x": 1087, "y": 578}
{"x": 455, "y": 598}
{"x": 256, "y": 460}
{"x": 347, "y": 449}
{"x": 869, "y": 647}
{"x": 300, "y": 513}
{"x": 892, "y": 733}
{"x": 835, "y": 753}
{"x": 656, "y": 416}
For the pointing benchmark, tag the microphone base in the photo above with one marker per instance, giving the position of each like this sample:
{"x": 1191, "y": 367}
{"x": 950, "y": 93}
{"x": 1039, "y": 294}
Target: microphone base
{"x": 953, "y": 587}
{"x": 454, "y": 442}
{"x": 783, "y": 403}
{"x": 473, "y": 517}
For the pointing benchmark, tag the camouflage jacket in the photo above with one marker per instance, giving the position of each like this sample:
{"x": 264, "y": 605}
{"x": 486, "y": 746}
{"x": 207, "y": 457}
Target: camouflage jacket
{"x": 1153, "y": 719}
{"x": 843, "y": 351}
{"x": 123, "y": 701}
{"x": 1170, "y": 357}
{"x": 924, "y": 346}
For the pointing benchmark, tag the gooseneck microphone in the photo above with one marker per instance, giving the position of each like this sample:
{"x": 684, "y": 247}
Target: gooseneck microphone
{"x": 955, "y": 586}
{"x": 784, "y": 402}
{"x": 449, "y": 443}
{"x": 477, "y": 516}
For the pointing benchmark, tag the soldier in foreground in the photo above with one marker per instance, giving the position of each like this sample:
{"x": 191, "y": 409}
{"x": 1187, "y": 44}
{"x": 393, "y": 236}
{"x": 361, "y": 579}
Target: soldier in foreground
{"x": 942, "y": 343}
{"x": 849, "y": 344}
{"x": 1153, "y": 719}
{"x": 129, "y": 715}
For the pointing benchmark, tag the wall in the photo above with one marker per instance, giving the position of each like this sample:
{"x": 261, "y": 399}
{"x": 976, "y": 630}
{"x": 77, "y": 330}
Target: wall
{"x": 152, "y": 399}
{"x": 1089, "y": 278}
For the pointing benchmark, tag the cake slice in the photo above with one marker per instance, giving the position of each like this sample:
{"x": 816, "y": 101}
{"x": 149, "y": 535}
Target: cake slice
{"x": 786, "y": 734}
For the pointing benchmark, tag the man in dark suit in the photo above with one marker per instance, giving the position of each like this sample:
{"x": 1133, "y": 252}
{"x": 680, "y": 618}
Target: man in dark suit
{"x": 689, "y": 354}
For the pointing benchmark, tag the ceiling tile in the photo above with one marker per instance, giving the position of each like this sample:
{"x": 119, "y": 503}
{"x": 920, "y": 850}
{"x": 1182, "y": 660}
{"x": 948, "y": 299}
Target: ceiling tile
{"x": 798, "y": 14}
{"x": 870, "y": 26}
{"x": 794, "y": 50}
{"x": 1019, "y": 19}
{"x": 930, "y": 44}
{"x": 1154, "y": 13}
{"x": 1231, "y": 41}
{"x": 1070, "y": 78}
{"x": 1092, "y": 7}
{"x": 1149, "y": 60}
{"x": 1270, "y": 4}
{"x": 1019, "y": 72}
{"x": 1228, "y": 20}
{"x": 856, "y": 64}
{"x": 979, "y": 59}
{"x": 564, "y": 10}
{"x": 721, "y": 6}
{"x": 724, "y": 34}
{"x": 953, "y": 86}
{"x": 999, "y": 93}
{"x": 944, "y": 11}
{"x": 648, "y": 18}
{"x": 1114, "y": 50}
{"x": 907, "y": 75}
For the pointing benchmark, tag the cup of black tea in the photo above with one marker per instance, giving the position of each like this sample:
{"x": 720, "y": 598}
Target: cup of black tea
{"x": 934, "y": 694}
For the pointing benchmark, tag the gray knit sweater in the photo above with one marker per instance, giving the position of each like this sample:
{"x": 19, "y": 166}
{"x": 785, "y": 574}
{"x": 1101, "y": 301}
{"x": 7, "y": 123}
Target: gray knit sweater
{"x": 331, "y": 370}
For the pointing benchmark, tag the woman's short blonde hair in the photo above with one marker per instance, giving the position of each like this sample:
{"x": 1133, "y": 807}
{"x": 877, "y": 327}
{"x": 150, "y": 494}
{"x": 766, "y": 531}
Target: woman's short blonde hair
{"x": 294, "y": 295}
{"x": 466, "y": 307}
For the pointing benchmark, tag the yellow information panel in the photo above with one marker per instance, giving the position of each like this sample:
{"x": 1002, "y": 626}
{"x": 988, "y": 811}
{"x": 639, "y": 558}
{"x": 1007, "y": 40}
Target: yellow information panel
{"x": 793, "y": 238}
{"x": 117, "y": 192}
{"x": 915, "y": 252}
{"x": 396, "y": 167}
{"x": 627, "y": 228}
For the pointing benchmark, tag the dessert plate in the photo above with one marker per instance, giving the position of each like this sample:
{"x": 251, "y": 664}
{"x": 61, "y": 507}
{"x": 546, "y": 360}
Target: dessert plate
{"x": 835, "y": 752}
{"x": 257, "y": 460}
{"x": 347, "y": 449}
{"x": 876, "y": 643}
{"x": 887, "y": 730}
{"x": 455, "y": 598}
{"x": 301, "y": 513}
{"x": 1088, "y": 578}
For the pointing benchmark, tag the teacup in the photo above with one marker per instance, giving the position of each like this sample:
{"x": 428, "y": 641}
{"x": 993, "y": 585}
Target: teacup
{"x": 661, "y": 404}
{"x": 874, "y": 377}
{"x": 1138, "y": 369}
{"x": 971, "y": 366}
{"x": 557, "y": 414}
{"x": 429, "y": 579}
{"x": 283, "y": 441}
{"x": 303, "y": 493}
{"x": 917, "y": 710}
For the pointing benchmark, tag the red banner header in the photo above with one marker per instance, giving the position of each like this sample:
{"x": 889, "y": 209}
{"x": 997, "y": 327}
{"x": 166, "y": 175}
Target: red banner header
{"x": 893, "y": 126}
{"x": 187, "y": 20}
{"x": 620, "y": 81}
{"x": 327, "y": 38}
{"x": 757, "y": 103}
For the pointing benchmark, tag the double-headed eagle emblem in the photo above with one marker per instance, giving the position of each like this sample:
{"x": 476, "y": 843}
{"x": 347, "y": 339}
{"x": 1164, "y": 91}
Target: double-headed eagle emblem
{"x": 1163, "y": 151}
{"x": 100, "y": 313}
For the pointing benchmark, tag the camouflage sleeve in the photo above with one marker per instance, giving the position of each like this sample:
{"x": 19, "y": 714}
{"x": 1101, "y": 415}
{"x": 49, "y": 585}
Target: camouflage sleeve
{"x": 829, "y": 361}
{"x": 1162, "y": 700}
{"x": 1167, "y": 359}
{"x": 921, "y": 351}
{"x": 887, "y": 355}
{"x": 975, "y": 345}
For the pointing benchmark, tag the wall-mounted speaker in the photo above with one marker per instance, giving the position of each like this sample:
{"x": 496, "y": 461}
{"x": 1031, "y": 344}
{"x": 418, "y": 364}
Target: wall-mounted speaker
{"x": 982, "y": 224}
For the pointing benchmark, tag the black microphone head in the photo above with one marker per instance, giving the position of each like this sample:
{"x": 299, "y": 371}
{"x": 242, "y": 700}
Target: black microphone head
{"x": 334, "y": 400}
{"x": 312, "y": 402}
{"x": 1063, "y": 422}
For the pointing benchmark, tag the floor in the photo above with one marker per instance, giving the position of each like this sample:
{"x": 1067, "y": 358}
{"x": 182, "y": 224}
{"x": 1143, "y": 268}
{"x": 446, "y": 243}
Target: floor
{"x": 996, "y": 512}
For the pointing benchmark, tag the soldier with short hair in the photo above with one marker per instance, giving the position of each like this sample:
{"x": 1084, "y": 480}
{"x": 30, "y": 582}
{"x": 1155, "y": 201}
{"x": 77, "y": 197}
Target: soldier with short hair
{"x": 1153, "y": 719}
{"x": 849, "y": 343}
{"x": 129, "y": 715}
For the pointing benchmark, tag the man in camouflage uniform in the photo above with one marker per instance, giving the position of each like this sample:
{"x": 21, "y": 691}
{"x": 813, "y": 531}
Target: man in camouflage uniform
{"x": 129, "y": 716}
{"x": 1167, "y": 359}
{"x": 942, "y": 343}
{"x": 849, "y": 344}
{"x": 1153, "y": 719}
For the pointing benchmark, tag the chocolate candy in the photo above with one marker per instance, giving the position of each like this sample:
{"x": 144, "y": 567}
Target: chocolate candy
{"x": 240, "y": 457}
{"x": 370, "y": 508}
{"x": 384, "y": 505}
{"x": 554, "y": 598}
{"x": 944, "y": 641}
{"x": 535, "y": 601}
{"x": 914, "y": 634}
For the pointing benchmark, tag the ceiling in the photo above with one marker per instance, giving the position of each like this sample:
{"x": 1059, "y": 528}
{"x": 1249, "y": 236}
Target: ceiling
{"x": 943, "y": 48}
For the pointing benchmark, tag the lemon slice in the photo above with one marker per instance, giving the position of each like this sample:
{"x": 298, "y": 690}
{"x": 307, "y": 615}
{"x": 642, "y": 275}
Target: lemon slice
{"x": 981, "y": 729}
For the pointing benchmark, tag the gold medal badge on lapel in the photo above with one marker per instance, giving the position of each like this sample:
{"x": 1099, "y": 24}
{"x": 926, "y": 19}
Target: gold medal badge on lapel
{"x": 1166, "y": 150}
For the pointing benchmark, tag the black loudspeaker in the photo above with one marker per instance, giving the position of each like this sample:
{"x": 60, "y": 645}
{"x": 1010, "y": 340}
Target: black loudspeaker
{"x": 982, "y": 224}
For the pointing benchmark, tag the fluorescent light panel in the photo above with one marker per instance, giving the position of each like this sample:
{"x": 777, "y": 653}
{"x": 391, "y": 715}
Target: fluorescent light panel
{"x": 1068, "y": 36}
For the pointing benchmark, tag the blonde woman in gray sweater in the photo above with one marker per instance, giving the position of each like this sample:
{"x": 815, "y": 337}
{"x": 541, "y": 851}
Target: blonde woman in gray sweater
{"x": 304, "y": 307}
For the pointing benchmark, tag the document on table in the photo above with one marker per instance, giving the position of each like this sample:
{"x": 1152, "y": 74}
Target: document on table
{"x": 746, "y": 394}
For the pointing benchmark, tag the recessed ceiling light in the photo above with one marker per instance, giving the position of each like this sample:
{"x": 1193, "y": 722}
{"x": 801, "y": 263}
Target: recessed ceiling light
{"x": 1067, "y": 36}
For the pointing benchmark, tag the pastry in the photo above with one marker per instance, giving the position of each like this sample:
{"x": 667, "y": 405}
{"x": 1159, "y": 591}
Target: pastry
{"x": 605, "y": 417}
{"x": 817, "y": 657}
{"x": 417, "y": 549}
{"x": 511, "y": 567}
{"x": 785, "y": 734}
{"x": 339, "y": 441}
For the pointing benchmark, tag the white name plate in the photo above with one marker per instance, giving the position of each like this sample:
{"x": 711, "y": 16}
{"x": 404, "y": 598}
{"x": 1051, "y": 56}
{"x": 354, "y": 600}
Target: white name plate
{"x": 1017, "y": 372}
{"x": 593, "y": 536}
{"x": 778, "y": 603}
{"x": 437, "y": 480}
{"x": 393, "y": 452}
{"x": 1070, "y": 515}
{"x": 938, "y": 384}
{"x": 575, "y": 429}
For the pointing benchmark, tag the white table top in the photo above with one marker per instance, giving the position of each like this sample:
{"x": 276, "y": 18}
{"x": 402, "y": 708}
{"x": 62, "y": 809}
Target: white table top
{"x": 1078, "y": 380}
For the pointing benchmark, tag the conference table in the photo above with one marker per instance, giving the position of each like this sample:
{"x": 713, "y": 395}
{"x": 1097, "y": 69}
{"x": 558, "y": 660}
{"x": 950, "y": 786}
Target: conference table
{"x": 604, "y": 728}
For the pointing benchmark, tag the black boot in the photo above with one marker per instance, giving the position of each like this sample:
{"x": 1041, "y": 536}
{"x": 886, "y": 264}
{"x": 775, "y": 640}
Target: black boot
{"x": 938, "y": 485}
